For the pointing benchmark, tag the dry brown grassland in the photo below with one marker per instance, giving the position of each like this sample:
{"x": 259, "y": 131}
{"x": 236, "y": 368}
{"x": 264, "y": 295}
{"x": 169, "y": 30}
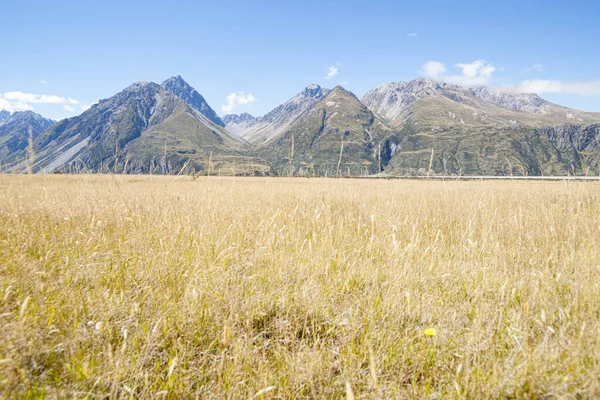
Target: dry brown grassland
{"x": 169, "y": 287}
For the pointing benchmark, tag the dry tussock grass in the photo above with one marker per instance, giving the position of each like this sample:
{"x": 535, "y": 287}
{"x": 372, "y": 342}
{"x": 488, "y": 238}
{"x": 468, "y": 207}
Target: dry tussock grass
{"x": 290, "y": 288}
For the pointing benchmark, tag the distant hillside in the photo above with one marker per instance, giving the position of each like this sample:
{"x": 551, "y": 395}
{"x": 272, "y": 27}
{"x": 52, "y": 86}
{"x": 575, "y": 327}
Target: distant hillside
{"x": 194, "y": 99}
{"x": 14, "y": 131}
{"x": 4, "y": 115}
{"x": 143, "y": 129}
{"x": 421, "y": 127}
{"x": 260, "y": 130}
{"x": 478, "y": 131}
{"x": 336, "y": 136}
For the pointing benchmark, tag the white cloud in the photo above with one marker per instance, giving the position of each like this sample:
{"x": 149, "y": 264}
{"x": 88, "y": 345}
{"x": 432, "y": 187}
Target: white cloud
{"x": 333, "y": 71}
{"x": 34, "y": 98}
{"x": 433, "y": 69}
{"x": 14, "y": 105}
{"x": 539, "y": 86}
{"x": 479, "y": 72}
{"x": 477, "y": 68}
{"x": 412, "y": 34}
{"x": 5, "y": 105}
{"x": 20, "y": 101}
{"x": 235, "y": 99}
{"x": 69, "y": 108}
{"x": 43, "y": 81}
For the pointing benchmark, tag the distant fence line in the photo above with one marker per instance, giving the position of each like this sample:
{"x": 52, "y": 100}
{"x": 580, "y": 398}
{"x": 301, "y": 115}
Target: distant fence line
{"x": 484, "y": 178}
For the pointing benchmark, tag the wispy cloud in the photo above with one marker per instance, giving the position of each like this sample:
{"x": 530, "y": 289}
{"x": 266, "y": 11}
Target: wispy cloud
{"x": 34, "y": 98}
{"x": 20, "y": 101}
{"x": 69, "y": 108}
{"x": 236, "y": 99}
{"x": 412, "y": 34}
{"x": 333, "y": 71}
{"x": 43, "y": 82}
{"x": 478, "y": 72}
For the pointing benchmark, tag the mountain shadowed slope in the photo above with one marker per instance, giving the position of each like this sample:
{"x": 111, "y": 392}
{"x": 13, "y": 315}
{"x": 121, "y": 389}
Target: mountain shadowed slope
{"x": 422, "y": 127}
{"x": 194, "y": 99}
{"x": 264, "y": 128}
{"x": 318, "y": 134}
{"x": 4, "y": 114}
{"x": 14, "y": 131}
{"x": 143, "y": 129}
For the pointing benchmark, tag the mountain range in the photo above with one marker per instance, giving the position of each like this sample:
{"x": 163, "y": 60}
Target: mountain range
{"x": 421, "y": 127}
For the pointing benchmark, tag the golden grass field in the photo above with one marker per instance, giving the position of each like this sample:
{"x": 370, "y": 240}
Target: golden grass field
{"x": 170, "y": 287}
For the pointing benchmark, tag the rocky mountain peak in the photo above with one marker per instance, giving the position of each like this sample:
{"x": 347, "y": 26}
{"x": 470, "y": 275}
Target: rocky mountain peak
{"x": 242, "y": 118}
{"x": 138, "y": 86}
{"x": 15, "y": 129}
{"x": 505, "y": 97}
{"x": 28, "y": 117}
{"x": 395, "y": 101}
{"x": 4, "y": 114}
{"x": 314, "y": 91}
{"x": 340, "y": 90}
{"x": 178, "y": 86}
{"x": 177, "y": 83}
{"x": 417, "y": 88}
{"x": 275, "y": 121}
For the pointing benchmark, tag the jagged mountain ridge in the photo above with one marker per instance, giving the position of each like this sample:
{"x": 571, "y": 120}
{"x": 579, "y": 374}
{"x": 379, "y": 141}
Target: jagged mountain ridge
{"x": 14, "y": 131}
{"x": 238, "y": 124}
{"x": 194, "y": 99}
{"x": 338, "y": 123}
{"x": 143, "y": 129}
{"x": 450, "y": 130}
{"x": 527, "y": 102}
{"x": 4, "y": 114}
{"x": 262, "y": 129}
{"x": 404, "y": 128}
{"x": 439, "y": 103}
{"x": 238, "y": 119}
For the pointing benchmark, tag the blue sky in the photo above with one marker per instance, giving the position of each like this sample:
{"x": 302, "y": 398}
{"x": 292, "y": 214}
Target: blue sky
{"x": 60, "y": 56}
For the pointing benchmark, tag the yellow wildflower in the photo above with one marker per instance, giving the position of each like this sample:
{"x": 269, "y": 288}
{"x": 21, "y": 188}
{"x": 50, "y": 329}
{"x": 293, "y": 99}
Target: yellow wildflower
{"x": 430, "y": 332}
